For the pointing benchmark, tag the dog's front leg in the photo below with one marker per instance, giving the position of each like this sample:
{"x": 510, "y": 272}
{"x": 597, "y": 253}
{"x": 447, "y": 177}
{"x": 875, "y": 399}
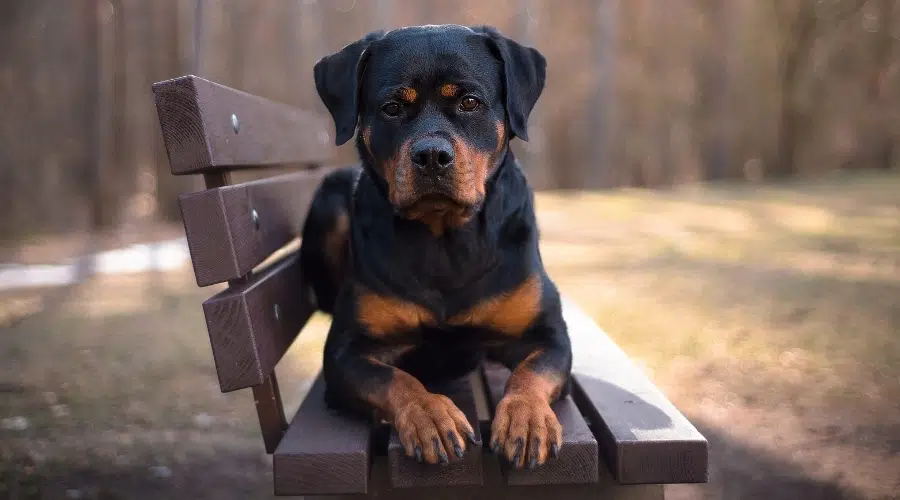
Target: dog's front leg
{"x": 429, "y": 425}
{"x": 525, "y": 430}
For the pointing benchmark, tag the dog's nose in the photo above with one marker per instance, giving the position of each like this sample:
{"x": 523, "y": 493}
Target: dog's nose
{"x": 432, "y": 155}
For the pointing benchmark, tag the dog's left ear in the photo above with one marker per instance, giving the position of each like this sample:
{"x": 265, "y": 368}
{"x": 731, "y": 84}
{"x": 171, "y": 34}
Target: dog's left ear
{"x": 338, "y": 78}
{"x": 524, "y": 73}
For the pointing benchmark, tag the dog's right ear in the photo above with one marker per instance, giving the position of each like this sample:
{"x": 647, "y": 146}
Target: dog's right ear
{"x": 337, "y": 80}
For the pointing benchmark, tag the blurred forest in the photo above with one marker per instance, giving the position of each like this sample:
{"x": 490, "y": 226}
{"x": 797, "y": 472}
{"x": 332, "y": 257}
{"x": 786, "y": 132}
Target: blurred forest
{"x": 645, "y": 93}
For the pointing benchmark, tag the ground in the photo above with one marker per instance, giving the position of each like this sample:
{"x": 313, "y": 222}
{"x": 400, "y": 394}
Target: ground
{"x": 769, "y": 315}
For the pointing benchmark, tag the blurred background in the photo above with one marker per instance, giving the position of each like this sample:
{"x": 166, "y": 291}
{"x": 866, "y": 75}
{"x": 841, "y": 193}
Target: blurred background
{"x": 718, "y": 187}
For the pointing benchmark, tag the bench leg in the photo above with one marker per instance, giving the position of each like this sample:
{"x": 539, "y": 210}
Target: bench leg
{"x": 270, "y": 410}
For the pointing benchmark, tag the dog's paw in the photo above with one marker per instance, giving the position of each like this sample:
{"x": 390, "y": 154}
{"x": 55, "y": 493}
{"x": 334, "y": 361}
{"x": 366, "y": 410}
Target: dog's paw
{"x": 525, "y": 430}
{"x": 432, "y": 428}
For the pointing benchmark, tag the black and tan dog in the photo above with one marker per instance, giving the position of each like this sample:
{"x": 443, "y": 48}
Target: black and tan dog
{"x": 427, "y": 256}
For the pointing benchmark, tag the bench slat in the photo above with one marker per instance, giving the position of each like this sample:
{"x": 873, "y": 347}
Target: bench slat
{"x": 323, "y": 452}
{"x": 251, "y": 325}
{"x": 226, "y": 240}
{"x": 643, "y": 437}
{"x": 200, "y": 134}
{"x": 405, "y": 472}
{"x": 495, "y": 488}
{"x": 578, "y": 461}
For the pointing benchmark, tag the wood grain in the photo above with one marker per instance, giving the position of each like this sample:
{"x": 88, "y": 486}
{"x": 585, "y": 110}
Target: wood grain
{"x": 251, "y": 325}
{"x": 495, "y": 488}
{"x": 642, "y": 436}
{"x": 270, "y": 411}
{"x": 405, "y": 472}
{"x": 224, "y": 238}
{"x": 323, "y": 452}
{"x": 578, "y": 461}
{"x": 195, "y": 116}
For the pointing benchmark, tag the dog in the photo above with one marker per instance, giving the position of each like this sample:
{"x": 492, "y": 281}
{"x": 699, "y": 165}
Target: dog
{"x": 426, "y": 255}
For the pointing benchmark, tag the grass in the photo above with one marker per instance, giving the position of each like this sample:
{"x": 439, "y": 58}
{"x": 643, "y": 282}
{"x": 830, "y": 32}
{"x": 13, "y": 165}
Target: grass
{"x": 769, "y": 314}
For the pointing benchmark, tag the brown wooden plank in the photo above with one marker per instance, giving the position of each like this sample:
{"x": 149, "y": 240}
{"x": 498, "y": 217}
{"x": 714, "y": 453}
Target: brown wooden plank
{"x": 642, "y": 436}
{"x": 481, "y": 400}
{"x": 270, "y": 410}
{"x": 231, "y": 229}
{"x": 405, "y": 472}
{"x": 323, "y": 452}
{"x": 252, "y": 324}
{"x": 198, "y": 118}
{"x": 495, "y": 488}
{"x": 578, "y": 461}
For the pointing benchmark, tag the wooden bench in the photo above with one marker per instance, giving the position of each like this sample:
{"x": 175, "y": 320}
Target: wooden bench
{"x": 622, "y": 437}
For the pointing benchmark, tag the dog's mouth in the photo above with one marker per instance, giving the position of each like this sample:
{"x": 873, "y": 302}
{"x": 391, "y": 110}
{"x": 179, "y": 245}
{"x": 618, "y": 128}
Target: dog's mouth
{"x": 437, "y": 203}
{"x": 439, "y": 211}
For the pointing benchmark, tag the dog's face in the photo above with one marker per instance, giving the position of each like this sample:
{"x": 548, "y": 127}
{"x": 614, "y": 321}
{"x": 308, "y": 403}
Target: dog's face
{"x": 434, "y": 108}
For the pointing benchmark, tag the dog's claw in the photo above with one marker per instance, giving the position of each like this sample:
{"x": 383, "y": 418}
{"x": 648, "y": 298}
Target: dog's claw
{"x": 442, "y": 456}
{"x": 419, "y": 454}
{"x": 517, "y": 458}
{"x": 456, "y": 447}
{"x": 554, "y": 450}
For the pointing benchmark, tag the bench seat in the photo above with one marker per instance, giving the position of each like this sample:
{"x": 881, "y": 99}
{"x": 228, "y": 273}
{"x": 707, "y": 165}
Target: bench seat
{"x": 619, "y": 432}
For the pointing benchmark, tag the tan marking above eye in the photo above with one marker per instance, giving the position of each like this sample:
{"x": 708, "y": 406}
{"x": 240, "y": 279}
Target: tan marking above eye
{"x": 449, "y": 89}
{"x": 511, "y": 312}
{"x": 409, "y": 95}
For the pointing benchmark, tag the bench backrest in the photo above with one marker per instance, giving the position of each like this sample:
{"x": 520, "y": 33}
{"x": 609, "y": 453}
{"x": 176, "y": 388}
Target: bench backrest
{"x": 235, "y": 231}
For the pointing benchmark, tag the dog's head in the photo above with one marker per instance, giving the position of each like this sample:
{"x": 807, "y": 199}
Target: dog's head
{"x": 435, "y": 107}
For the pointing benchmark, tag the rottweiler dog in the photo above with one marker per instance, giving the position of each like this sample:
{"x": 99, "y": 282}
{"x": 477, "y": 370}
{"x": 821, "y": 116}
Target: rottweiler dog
{"x": 427, "y": 255}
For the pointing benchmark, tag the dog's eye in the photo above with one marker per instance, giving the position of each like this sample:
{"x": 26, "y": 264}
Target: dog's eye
{"x": 469, "y": 103}
{"x": 391, "y": 109}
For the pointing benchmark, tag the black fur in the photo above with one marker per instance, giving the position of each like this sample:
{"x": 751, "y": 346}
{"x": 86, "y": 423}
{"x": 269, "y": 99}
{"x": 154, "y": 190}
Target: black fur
{"x": 494, "y": 251}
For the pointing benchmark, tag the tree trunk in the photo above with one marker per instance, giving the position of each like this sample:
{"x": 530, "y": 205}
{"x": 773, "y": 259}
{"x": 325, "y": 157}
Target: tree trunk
{"x": 714, "y": 81}
{"x": 600, "y": 172}
{"x": 882, "y": 137}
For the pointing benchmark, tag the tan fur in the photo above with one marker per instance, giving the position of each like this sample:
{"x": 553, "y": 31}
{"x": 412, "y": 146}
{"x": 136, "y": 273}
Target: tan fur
{"x": 449, "y": 89}
{"x": 367, "y": 139}
{"x": 409, "y": 95}
{"x": 510, "y": 313}
{"x": 399, "y": 176}
{"x": 383, "y": 316}
{"x": 524, "y": 415}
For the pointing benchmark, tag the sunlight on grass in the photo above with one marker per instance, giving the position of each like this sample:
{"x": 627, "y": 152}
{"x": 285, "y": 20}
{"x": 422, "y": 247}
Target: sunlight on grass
{"x": 686, "y": 272}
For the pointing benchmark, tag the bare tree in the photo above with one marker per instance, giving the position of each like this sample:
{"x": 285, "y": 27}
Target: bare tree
{"x": 711, "y": 112}
{"x": 605, "y": 94}
{"x": 799, "y": 23}
{"x": 880, "y": 131}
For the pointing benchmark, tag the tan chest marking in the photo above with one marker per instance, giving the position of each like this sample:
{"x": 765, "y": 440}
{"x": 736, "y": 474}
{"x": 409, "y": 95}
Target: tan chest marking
{"x": 510, "y": 313}
{"x": 382, "y": 315}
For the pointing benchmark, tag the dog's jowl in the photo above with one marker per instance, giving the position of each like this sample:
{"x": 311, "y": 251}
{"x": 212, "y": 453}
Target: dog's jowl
{"x": 427, "y": 254}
